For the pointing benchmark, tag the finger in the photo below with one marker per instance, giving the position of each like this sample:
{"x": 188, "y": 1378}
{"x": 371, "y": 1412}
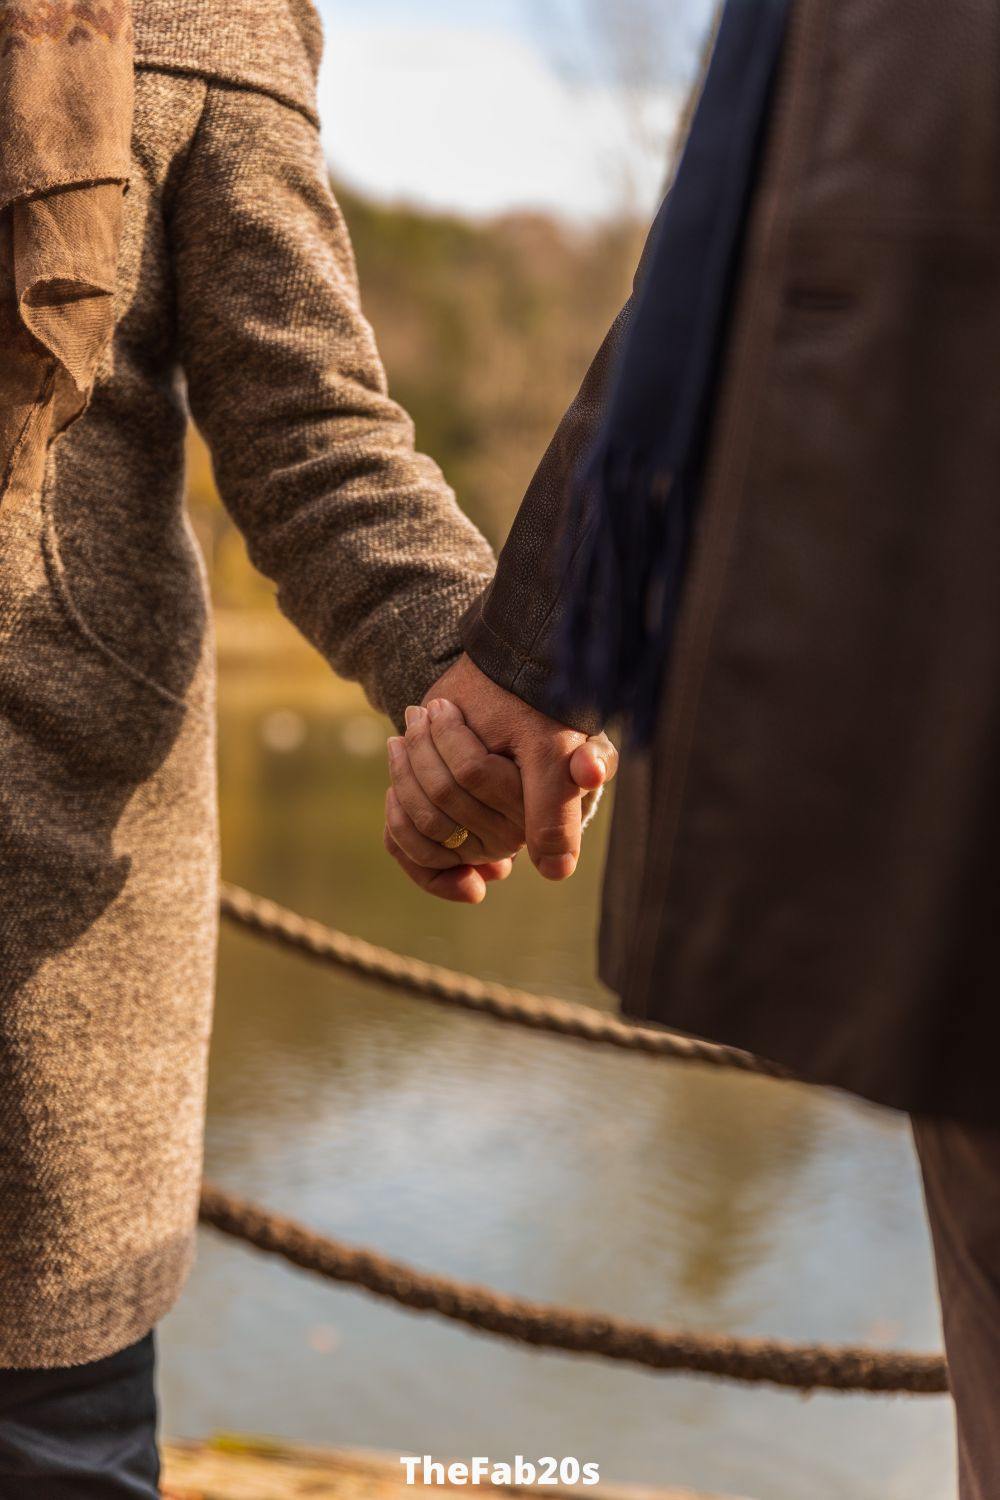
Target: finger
{"x": 425, "y": 817}
{"x": 491, "y": 779}
{"x": 422, "y": 824}
{"x": 594, "y": 763}
{"x": 431, "y": 853}
{"x": 421, "y": 850}
{"x": 462, "y": 884}
{"x": 498, "y": 836}
{"x": 552, "y": 814}
{"x": 465, "y": 883}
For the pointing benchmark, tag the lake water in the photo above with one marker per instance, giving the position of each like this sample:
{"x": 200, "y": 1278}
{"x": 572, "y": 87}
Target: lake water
{"x": 547, "y": 1168}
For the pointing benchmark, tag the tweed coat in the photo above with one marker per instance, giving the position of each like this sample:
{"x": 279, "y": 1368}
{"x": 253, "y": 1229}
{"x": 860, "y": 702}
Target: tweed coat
{"x": 236, "y": 300}
{"x": 807, "y": 862}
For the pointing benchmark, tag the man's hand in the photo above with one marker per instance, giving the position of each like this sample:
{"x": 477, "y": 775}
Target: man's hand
{"x": 455, "y": 768}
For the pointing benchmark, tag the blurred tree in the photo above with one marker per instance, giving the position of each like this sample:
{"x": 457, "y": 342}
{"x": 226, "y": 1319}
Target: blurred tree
{"x": 486, "y": 331}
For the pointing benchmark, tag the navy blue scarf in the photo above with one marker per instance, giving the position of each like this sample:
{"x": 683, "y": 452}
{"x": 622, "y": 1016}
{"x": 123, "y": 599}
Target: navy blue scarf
{"x": 635, "y": 491}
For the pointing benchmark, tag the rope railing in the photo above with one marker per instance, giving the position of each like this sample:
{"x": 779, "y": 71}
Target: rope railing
{"x": 447, "y": 987}
{"x": 800, "y": 1367}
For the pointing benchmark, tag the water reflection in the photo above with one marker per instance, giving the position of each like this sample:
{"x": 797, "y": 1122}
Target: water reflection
{"x": 545, "y": 1167}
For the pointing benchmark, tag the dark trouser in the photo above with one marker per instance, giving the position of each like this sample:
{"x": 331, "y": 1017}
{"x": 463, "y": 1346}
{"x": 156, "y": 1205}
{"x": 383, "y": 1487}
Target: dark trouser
{"x": 87, "y": 1433}
{"x": 961, "y": 1171}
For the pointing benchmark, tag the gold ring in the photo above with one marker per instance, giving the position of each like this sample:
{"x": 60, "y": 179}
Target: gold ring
{"x": 457, "y": 839}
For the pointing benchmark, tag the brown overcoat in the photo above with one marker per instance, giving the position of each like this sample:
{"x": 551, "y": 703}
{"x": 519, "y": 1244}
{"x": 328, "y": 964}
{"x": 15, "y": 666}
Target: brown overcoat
{"x": 807, "y": 864}
{"x": 237, "y": 300}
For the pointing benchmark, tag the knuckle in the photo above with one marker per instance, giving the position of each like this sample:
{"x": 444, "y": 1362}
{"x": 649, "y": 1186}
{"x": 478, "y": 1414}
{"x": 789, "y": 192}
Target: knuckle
{"x": 425, "y": 821}
{"x": 405, "y": 835}
{"x": 469, "y": 772}
{"x": 438, "y": 787}
{"x": 550, "y": 838}
{"x": 395, "y": 817}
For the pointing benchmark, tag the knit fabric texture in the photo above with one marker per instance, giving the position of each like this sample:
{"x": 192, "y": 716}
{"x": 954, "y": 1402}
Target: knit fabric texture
{"x": 237, "y": 298}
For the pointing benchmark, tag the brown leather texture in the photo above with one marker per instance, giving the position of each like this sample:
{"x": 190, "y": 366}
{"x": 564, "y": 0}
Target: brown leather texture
{"x": 509, "y": 632}
{"x": 807, "y": 864}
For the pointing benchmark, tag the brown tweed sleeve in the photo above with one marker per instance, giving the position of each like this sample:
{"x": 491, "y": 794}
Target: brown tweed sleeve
{"x": 373, "y": 560}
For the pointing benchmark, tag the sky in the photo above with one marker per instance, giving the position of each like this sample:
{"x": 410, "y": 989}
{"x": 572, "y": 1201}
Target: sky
{"x": 488, "y": 106}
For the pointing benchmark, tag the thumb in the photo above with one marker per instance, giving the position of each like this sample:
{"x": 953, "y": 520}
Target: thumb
{"x": 594, "y": 763}
{"x": 551, "y": 815}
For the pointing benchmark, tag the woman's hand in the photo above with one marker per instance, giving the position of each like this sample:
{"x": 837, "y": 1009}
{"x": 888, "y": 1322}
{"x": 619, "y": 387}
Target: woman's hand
{"x": 445, "y": 781}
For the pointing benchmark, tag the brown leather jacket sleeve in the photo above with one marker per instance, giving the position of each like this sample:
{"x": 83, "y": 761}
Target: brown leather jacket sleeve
{"x": 509, "y": 631}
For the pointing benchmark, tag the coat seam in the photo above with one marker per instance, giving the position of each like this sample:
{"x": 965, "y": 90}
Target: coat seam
{"x": 56, "y": 573}
{"x": 216, "y": 81}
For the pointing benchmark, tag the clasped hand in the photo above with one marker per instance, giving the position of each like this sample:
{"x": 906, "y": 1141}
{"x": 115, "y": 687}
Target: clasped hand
{"x": 477, "y": 758}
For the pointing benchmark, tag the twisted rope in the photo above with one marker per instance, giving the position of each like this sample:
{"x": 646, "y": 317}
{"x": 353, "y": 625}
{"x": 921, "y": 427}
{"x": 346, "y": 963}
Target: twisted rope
{"x": 806, "y": 1367}
{"x": 447, "y": 987}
